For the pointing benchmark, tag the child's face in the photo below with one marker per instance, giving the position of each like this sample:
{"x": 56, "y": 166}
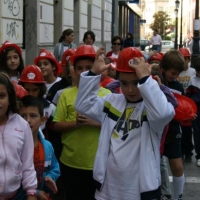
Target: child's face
{"x": 32, "y": 116}
{"x": 116, "y": 45}
{"x": 89, "y": 40}
{"x": 171, "y": 74}
{"x": 82, "y": 66}
{"x": 69, "y": 38}
{"x": 4, "y": 102}
{"x": 46, "y": 67}
{"x": 32, "y": 89}
{"x": 128, "y": 83}
{"x": 13, "y": 60}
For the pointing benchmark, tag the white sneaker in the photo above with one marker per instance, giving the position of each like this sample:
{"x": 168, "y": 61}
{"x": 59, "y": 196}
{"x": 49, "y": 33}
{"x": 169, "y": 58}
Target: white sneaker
{"x": 198, "y": 162}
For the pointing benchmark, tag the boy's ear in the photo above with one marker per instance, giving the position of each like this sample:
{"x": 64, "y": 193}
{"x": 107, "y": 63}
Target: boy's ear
{"x": 43, "y": 120}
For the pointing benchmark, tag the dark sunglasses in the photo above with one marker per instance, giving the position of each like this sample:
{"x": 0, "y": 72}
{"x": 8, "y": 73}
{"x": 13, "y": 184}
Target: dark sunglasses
{"x": 116, "y": 43}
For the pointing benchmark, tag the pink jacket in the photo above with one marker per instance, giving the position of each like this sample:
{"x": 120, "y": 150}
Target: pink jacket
{"x": 16, "y": 156}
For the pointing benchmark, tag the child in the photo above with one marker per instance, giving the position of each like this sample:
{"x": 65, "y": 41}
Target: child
{"x": 127, "y": 163}
{"x": 16, "y": 146}
{"x": 79, "y": 133}
{"x": 172, "y": 65}
{"x": 11, "y": 61}
{"x": 68, "y": 75}
{"x": 184, "y": 78}
{"x": 32, "y": 80}
{"x": 156, "y": 58}
{"x": 50, "y": 70}
{"x": 193, "y": 92}
{"x": 188, "y": 72}
{"x": 46, "y": 165}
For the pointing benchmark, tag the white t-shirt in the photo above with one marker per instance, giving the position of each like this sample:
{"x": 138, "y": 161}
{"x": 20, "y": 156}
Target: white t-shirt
{"x": 114, "y": 55}
{"x": 122, "y": 174}
{"x": 57, "y": 95}
{"x": 156, "y": 40}
{"x": 184, "y": 77}
{"x": 49, "y": 85}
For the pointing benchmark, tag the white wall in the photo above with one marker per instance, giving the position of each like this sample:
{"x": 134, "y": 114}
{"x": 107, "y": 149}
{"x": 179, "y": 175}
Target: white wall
{"x": 11, "y": 23}
{"x": 46, "y": 22}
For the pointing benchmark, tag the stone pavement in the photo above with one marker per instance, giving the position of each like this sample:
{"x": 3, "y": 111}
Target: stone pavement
{"x": 192, "y": 181}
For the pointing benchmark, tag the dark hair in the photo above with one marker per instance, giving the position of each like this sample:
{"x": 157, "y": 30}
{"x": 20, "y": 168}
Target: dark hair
{"x": 42, "y": 87}
{"x": 91, "y": 33}
{"x": 66, "y": 72}
{"x": 31, "y": 101}
{"x": 117, "y": 38}
{"x": 3, "y": 61}
{"x": 67, "y": 32}
{"x": 12, "y": 97}
{"x": 172, "y": 59}
{"x": 129, "y": 34}
{"x": 197, "y": 64}
{"x": 156, "y": 30}
{"x": 83, "y": 58}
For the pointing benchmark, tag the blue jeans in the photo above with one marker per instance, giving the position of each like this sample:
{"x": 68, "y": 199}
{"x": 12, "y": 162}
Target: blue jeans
{"x": 156, "y": 47}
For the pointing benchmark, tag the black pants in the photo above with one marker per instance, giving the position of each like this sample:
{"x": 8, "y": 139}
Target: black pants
{"x": 78, "y": 183}
{"x": 186, "y": 141}
{"x": 196, "y": 129}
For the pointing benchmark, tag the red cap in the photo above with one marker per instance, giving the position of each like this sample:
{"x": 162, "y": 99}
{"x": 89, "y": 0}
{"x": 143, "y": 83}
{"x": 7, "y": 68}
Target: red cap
{"x": 20, "y": 91}
{"x": 44, "y": 54}
{"x": 158, "y": 56}
{"x": 185, "y": 52}
{"x": 7, "y": 44}
{"x": 83, "y": 50}
{"x": 186, "y": 109}
{"x": 126, "y": 57}
{"x": 66, "y": 56}
{"x": 31, "y": 74}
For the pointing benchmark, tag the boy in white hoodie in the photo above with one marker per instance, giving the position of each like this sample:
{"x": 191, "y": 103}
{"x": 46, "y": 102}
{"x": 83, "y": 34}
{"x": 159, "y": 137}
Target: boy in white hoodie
{"x": 127, "y": 163}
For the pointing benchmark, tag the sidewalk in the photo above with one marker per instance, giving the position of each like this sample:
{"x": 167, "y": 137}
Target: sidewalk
{"x": 192, "y": 181}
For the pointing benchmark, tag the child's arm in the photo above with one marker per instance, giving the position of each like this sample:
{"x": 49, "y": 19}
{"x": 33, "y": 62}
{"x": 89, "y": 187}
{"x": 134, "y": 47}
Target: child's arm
{"x": 29, "y": 179}
{"x": 93, "y": 107}
{"x": 159, "y": 110}
{"x": 54, "y": 172}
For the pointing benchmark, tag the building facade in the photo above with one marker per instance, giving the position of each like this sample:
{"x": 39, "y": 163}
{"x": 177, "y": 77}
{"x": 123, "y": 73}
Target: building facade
{"x": 39, "y": 24}
{"x": 149, "y": 7}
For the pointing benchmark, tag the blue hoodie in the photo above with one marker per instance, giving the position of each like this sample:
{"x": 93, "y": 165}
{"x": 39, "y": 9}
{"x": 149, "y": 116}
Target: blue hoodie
{"x": 51, "y": 167}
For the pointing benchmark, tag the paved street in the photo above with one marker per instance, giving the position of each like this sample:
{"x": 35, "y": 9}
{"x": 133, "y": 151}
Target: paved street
{"x": 192, "y": 181}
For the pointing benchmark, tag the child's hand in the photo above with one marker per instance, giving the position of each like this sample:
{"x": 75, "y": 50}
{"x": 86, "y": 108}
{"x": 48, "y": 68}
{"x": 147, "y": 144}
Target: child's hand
{"x": 99, "y": 65}
{"x": 141, "y": 68}
{"x": 50, "y": 184}
{"x": 82, "y": 120}
{"x": 157, "y": 78}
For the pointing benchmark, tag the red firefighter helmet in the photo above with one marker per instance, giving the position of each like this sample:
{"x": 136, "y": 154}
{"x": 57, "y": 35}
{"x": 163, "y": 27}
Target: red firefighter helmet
{"x": 126, "y": 57}
{"x": 7, "y": 44}
{"x": 83, "y": 50}
{"x": 44, "y": 54}
{"x": 20, "y": 91}
{"x": 186, "y": 109}
{"x": 31, "y": 74}
{"x": 185, "y": 52}
{"x": 66, "y": 56}
{"x": 158, "y": 56}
